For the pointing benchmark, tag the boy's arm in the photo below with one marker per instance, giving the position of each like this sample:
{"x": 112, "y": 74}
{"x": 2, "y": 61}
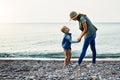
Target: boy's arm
{"x": 68, "y": 37}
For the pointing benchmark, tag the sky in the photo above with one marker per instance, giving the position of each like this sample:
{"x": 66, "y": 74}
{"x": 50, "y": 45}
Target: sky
{"x": 36, "y": 11}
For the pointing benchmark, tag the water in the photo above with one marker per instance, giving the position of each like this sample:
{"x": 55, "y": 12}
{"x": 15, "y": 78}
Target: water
{"x": 43, "y": 40}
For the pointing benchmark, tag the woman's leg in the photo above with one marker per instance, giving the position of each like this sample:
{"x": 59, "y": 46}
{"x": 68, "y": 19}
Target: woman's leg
{"x": 92, "y": 46}
{"x": 85, "y": 46}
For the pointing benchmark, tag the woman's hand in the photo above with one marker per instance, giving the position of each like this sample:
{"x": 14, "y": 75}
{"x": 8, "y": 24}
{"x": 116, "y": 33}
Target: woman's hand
{"x": 79, "y": 39}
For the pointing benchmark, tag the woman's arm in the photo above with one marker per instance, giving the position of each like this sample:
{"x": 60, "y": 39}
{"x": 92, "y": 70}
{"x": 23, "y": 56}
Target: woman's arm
{"x": 84, "y": 31}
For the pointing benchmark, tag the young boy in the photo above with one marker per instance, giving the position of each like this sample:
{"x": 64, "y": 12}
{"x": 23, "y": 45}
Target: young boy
{"x": 66, "y": 44}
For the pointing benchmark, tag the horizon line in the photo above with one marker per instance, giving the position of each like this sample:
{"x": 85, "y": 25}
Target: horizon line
{"x": 49, "y": 22}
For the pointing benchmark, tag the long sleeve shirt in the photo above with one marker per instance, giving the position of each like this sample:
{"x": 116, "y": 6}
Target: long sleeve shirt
{"x": 67, "y": 40}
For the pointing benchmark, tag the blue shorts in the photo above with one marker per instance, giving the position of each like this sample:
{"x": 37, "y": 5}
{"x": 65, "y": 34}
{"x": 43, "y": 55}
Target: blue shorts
{"x": 67, "y": 48}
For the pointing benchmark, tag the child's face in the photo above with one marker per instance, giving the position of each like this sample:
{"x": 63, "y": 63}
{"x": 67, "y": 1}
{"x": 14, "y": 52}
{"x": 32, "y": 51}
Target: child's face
{"x": 66, "y": 29}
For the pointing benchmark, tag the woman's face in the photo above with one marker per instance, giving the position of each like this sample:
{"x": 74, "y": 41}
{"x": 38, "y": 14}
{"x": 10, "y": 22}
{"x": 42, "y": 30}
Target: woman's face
{"x": 74, "y": 19}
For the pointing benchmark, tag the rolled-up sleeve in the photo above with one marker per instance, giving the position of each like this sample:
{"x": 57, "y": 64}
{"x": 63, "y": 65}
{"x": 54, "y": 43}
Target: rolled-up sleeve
{"x": 82, "y": 18}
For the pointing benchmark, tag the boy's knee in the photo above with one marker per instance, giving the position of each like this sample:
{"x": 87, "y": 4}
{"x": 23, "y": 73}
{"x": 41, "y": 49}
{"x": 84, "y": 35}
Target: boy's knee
{"x": 69, "y": 57}
{"x": 66, "y": 57}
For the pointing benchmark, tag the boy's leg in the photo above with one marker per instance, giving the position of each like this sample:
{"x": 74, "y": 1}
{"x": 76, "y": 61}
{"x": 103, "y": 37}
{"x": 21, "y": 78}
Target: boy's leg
{"x": 66, "y": 57}
{"x": 69, "y": 56}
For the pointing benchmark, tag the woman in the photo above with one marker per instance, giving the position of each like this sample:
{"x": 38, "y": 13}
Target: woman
{"x": 89, "y": 33}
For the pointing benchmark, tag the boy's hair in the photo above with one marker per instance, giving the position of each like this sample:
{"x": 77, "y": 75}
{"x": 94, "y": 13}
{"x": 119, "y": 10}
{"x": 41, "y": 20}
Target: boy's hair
{"x": 63, "y": 28}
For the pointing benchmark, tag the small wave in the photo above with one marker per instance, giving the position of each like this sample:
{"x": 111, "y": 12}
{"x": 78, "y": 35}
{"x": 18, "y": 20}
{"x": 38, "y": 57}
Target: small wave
{"x": 53, "y": 55}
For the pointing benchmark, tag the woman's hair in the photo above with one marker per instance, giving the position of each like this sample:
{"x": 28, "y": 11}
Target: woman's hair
{"x": 82, "y": 14}
{"x": 79, "y": 15}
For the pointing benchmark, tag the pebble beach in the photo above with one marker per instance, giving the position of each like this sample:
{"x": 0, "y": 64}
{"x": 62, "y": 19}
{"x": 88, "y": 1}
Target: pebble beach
{"x": 54, "y": 70}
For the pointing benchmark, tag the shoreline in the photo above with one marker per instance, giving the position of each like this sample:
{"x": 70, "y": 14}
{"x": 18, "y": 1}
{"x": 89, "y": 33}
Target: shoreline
{"x": 61, "y": 59}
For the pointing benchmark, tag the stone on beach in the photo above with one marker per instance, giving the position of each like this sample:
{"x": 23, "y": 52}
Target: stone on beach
{"x": 54, "y": 70}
